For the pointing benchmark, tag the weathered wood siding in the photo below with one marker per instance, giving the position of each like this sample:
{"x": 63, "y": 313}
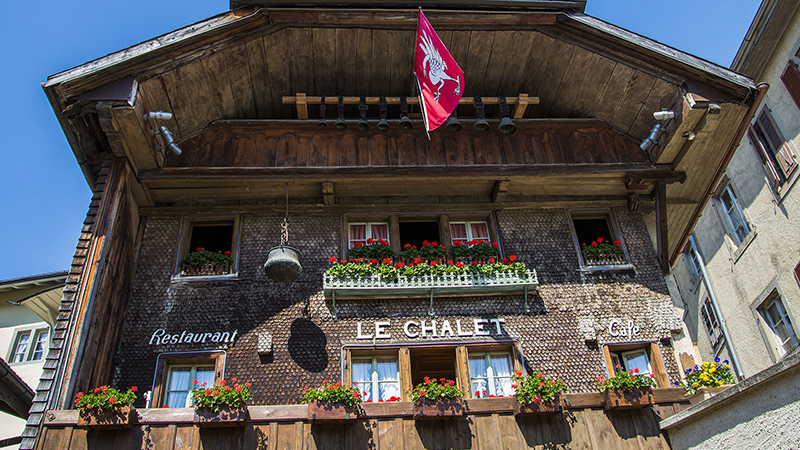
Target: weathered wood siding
{"x": 545, "y": 142}
{"x": 489, "y": 425}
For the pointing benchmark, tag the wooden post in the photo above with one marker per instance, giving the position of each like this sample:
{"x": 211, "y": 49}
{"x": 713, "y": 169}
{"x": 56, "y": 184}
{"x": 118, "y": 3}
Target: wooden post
{"x": 404, "y": 362}
{"x": 657, "y": 363}
{"x": 394, "y": 233}
{"x": 302, "y": 107}
{"x": 328, "y": 194}
{"x": 499, "y": 191}
{"x": 444, "y": 230}
{"x": 661, "y": 225}
{"x": 462, "y": 372}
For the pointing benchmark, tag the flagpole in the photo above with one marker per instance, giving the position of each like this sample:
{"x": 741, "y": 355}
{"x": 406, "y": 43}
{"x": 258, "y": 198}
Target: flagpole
{"x": 422, "y": 105}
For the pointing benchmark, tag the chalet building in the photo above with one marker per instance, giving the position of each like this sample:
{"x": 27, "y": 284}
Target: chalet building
{"x": 215, "y": 135}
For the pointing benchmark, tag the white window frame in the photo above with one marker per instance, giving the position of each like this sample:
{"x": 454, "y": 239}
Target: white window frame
{"x": 34, "y": 336}
{"x": 692, "y": 264}
{"x": 490, "y": 377}
{"x": 192, "y": 376}
{"x": 775, "y": 300}
{"x": 374, "y": 383}
{"x": 727, "y": 214}
{"x": 188, "y": 224}
{"x": 624, "y": 356}
{"x": 367, "y": 234}
{"x": 613, "y": 230}
{"x": 468, "y": 226}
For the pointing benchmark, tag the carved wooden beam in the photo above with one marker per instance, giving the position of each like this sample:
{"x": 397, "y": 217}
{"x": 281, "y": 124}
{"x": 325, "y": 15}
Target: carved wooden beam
{"x": 640, "y": 181}
{"x": 328, "y": 195}
{"x": 661, "y": 226}
{"x": 499, "y": 191}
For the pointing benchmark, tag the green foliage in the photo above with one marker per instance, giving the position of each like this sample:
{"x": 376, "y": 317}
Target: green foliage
{"x": 602, "y": 247}
{"x": 708, "y": 374}
{"x": 535, "y": 389}
{"x": 202, "y": 256}
{"x": 626, "y": 381}
{"x": 477, "y": 250}
{"x": 419, "y": 268}
{"x": 378, "y": 250}
{"x": 217, "y": 396}
{"x": 104, "y": 398}
{"x": 334, "y": 393}
{"x": 433, "y": 389}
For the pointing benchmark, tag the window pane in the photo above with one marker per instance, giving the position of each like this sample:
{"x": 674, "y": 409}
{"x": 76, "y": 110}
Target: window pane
{"x": 637, "y": 360}
{"x": 387, "y": 370}
{"x": 41, "y": 343}
{"x": 22, "y": 347}
{"x": 358, "y": 233}
{"x": 502, "y": 387}
{"x": 380, "y": 231}
{"x": 362, "y": 377}
{"x": 458, "y": 232}
{"x": 477, "y": 366}
{"x": 178, "y": 387}
{"x": 204, "y": 375}
{"x": 479, "y": 231}
{"x": 501, "y": 365}
{"x": 389, "y": 389}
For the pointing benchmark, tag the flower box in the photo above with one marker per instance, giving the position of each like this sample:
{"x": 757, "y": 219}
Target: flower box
{"x": 613, "y": 259}
{"x": 547, "y": 407}
{"x": 632, "y": 399}
{"x": 445, "y": 408}
{"x": 705, "y": 393}
{"x": 107, "y": 419}
{"x": 330, "y": 412}
{"x": 227, "y": 416}
{"x": 205, "y": 270}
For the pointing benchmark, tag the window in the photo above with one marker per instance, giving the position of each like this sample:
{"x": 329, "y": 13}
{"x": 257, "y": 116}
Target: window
{"x": 645, "y": 357}
{"x": 596, "y": 227}
{"x": 215, "y": 234}
{"x": 417, "y": 232}
{"x": 175, "y": 373}
{"x": 180, "y": 383}
{"x": 29, "y": 345}
{"x": 378, "y": 378}
{"x": 490, "y": 374}
{"x": 782, "y": 334}
{"x": 733, "y": 219}
{"x": 361, "y": 233}
{"x": 711, "y": 322}
{"x": 772, "y": 148}
{"x": 464, "y": 232}
{"x": 692, "y": 262}
{"x": 791, "y": 79}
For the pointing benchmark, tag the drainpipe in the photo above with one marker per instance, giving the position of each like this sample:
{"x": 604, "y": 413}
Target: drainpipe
{"x": 737, "y": 368}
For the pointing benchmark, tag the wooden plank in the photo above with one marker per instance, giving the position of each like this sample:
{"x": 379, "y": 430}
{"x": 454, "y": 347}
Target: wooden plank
{"x": 300, "y": 59}
{"x": 139, "y": 144}
{"x": 155, "y": 97}
{"x": 163, "y": 437}
{"x": 598, "y": 70}
{"x": 262, "y": 54}
{"x": 189, "y": 97}
{"x": 237, "y": 66}
{"x": 480, "y": 49}
{"x": 215, "y": 68}
{"x": 356, "y": 52}
{"x": 380, "y": 72}
{"x": 613, "y": 92}
{"x": 402, "y": 51}
{"x": 324, "y": 62}
{"x": 659, "y": 97}
{"x": 553, "y": 77}
{"x": 187, "y": 438}
{"x": 503, "y": 47}
{"x": 631, "y": 101}
{"x": 576, "y": 72}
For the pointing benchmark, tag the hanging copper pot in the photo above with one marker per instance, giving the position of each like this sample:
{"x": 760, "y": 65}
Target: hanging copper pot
{"x": 283, "y": 264}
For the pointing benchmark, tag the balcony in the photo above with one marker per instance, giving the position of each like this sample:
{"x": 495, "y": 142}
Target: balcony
{"x": 423, "y": 286}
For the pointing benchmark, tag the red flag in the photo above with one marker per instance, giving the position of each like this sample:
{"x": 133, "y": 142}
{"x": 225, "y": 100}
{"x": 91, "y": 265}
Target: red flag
{"x": 440, "y": 80}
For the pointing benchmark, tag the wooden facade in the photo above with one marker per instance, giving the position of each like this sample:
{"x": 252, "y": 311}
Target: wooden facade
{"x": 238, "y": 87}
{"x": 488, "y": 424}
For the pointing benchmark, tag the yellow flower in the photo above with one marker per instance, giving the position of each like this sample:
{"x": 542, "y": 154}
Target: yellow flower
{"x": 712, "y": 370}
{"x": 704, "y": 377}
{"x": 695, "y": 384}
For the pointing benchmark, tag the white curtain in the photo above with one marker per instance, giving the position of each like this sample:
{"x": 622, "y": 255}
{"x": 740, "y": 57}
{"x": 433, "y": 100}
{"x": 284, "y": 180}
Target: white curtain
{"x": 358, "y": 233}
{"x": 205, "y": 375}
{"x": 388, "y": 384}
{"x": 479, "y": 231}
{"x": 501, "y": 366}
{"x": 478, "y": 374}
{"x": 362, "y": 377}
{"x": 637, "y": 360}
{"x": 178, "y": 387}
{"x": 380, "y": 231}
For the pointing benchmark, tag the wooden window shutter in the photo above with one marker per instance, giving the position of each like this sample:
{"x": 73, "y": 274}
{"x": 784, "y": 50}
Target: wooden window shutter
{"x": 791, "y": 79}
{"x": 772, "y": 175}
{"x": 780, "y": 148}
{"x": 797, "y": 273}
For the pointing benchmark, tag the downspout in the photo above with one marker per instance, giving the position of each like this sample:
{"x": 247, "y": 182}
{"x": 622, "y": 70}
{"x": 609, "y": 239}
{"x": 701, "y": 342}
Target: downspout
{"x": 737, "y": 368}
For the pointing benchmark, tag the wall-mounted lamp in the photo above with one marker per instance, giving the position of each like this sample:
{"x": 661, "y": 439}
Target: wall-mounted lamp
{"x": 664, "y": 115}
{"x": 166, "y": 136}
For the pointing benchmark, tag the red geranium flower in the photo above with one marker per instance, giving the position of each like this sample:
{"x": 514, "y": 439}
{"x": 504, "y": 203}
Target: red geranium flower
{"x": 435, "y": 244}
{"x": 199, "y": 249}
{"x": 387, "y": 261}
{"x": 494, "y": 244}
{"x": 417, "y": 260}
{"x": 134, "y": 388}
{"x": 433, "y": 263}
{"x": 449, "y": 261}
{"x": 370, "y": 241}
{"x": 491, "y": 260}
{"x": 617, "y": 243}
{"x": 594, "y": 244}
{"x": 227, "y": 252}
{"x": 425, "y": 243}
{"x": 512, "y": 258}
{"x": 599, "y": 239}
{"x": 358, "y": 244}
{"x": 332, "y": 259}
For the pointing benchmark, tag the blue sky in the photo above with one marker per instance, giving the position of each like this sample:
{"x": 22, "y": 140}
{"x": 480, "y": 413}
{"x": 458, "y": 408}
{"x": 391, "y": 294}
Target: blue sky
{"x": 44, "y": 194}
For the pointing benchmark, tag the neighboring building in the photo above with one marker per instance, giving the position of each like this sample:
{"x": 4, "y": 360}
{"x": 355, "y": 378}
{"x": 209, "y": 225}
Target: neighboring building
{"x": 588, "y": 160}
{"x": 28, "y": 309}
{"x": 746, "y": 242}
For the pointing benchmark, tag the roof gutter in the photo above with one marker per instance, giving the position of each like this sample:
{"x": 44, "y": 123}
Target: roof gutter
{"x": 762, "y": 89}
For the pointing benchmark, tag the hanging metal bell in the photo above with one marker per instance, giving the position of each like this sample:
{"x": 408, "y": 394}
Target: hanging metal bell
{"x": 480, "y": 126}
{"x": 283, "y": 264}
{"x": 506, "y": 127}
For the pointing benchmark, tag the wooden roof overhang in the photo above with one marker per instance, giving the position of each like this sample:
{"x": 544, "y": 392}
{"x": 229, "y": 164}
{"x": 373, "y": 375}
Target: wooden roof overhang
{"x": 239, "y": 65}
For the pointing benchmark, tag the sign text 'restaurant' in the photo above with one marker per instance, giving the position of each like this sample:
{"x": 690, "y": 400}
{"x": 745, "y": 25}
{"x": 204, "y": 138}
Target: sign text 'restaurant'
{"x": 434, "y": 329}
{"x": 161, "y": 337}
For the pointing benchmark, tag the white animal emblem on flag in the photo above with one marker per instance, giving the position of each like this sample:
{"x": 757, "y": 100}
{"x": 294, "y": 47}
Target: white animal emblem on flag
{"x": 436, "y": 66}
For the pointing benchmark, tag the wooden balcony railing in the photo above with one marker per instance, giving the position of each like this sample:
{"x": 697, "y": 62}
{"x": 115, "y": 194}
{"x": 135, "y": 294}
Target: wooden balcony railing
{"x": 423, "y": 286}
{"x": 488, "y": 424}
